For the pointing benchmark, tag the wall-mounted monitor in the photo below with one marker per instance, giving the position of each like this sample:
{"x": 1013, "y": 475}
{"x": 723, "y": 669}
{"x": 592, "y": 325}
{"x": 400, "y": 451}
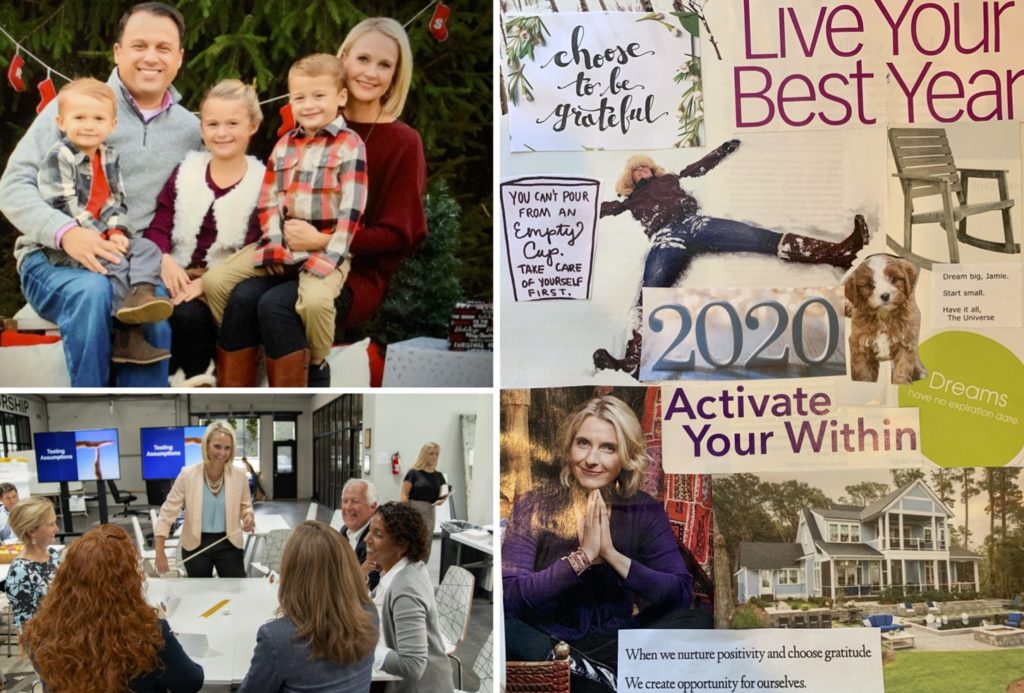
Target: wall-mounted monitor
{"x": 77, "y": 455}
{"x": 166, "y": 450}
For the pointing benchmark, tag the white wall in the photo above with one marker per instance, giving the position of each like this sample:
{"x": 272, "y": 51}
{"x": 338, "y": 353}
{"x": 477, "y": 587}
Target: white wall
{"x": 481, "y": 501}
{"x": 32, "y": 406}
{"x": 404, "y": 422}
{"x": 127, "y": 415}
{"x": 130, "y": 413}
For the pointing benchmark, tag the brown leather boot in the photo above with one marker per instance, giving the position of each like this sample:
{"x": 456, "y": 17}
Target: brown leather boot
{"x": 131, "y": 347}
{"x": 142, "y": 305}
{"x": 629, "y": 363}
{"x": 290, "y": 370}
{"x": 797, "y": 248}
{"x": 237, "y": 368}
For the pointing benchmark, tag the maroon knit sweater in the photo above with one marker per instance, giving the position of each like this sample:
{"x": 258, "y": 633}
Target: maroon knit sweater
{"x": 393, "y": 222}
{"x": 655, "y": 203}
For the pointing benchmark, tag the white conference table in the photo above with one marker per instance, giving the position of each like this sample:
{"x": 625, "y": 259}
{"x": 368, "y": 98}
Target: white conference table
{"x": 470, "y": 538}
{"x": 476, "y": 539}
{"x": 230, "y": 630}
{"x": 265, "y": 524}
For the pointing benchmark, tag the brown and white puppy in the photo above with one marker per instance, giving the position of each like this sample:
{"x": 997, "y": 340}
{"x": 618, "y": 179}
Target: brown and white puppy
{"x": 885, "y": 320}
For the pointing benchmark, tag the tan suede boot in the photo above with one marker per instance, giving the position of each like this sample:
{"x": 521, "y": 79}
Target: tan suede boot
{"x": 142, "y": 305}
{"x": 237, "y": 368}
{"x": 130, "y": 346}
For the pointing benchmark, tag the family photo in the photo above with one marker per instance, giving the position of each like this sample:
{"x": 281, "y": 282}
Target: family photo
{"x": 203, "y": 198}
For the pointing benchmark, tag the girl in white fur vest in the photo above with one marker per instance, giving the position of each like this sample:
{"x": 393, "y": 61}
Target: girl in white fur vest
{"x": 205, "y": 212}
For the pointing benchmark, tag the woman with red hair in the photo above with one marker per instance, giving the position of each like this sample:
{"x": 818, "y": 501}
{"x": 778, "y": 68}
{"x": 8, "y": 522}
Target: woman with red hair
{"x": 95, "y": 631}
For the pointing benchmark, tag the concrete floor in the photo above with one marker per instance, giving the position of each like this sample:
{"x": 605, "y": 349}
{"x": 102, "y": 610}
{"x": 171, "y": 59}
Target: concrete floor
{"x": 20, "y": 676}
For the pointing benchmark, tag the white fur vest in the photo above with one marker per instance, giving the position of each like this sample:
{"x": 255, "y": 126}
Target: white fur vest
{"x": 231, "y": 212}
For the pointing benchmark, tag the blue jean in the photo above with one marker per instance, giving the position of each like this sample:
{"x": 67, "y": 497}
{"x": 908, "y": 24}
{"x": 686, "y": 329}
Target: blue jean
{"x": 674, "y": 246}
{"x": 79, "y": 301}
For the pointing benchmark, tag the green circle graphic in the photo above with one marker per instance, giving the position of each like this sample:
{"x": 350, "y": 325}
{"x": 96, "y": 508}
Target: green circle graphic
{"x": 972, "y": 402}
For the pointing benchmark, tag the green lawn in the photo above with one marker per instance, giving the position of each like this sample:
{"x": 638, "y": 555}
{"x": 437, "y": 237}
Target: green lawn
{"x": 977, "y": 672}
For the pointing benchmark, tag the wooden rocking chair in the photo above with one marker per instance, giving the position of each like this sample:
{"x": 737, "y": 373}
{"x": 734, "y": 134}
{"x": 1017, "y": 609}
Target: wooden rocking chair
{"x": 925, "y": 167}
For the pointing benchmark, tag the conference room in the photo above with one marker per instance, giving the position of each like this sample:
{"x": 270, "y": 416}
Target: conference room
{"x": 224, "y": 485}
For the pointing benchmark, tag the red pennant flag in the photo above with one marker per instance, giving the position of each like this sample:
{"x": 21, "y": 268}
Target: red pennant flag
{"x": 14, "y": 72}
{"x": 46, "y": 93}
{"x": 437, "y": 22}
{"x": 287, "y": 120}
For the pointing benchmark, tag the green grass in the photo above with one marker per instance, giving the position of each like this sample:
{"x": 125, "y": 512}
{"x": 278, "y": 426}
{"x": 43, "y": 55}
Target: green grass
{"x": 977, "y": 672}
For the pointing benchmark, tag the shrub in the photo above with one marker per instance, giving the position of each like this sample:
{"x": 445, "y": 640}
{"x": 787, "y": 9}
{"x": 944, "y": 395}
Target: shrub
{"x": 748, "y": 616}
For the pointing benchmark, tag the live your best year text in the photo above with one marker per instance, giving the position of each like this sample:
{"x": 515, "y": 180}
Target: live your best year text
{"x": 941, "y": 33}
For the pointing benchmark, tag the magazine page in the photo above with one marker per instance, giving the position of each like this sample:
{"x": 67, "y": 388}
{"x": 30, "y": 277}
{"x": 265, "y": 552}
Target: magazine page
{"x": 824, "y": 294}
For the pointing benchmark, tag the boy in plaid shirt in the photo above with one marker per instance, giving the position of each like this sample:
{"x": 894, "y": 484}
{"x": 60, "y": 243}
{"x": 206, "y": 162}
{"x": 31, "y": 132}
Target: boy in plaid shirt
{"x": 310, "y": 207}
{"x": 80, "y": 176}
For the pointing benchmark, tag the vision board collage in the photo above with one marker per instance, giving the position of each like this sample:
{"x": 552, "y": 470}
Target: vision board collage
{"x": 247, "y": 379}
{"x": 254, "y": 288}
{"x": 761, "y": 338}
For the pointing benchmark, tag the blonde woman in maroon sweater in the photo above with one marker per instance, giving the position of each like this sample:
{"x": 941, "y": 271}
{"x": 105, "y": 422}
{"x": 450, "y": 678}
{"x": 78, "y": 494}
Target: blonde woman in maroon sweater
{"x": 378, "y": 65}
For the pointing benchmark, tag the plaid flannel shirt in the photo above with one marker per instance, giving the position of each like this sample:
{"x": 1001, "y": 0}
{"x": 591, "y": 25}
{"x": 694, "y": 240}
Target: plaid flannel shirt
{"x": 320, "y": 179}
{"x": 65, "y": 179}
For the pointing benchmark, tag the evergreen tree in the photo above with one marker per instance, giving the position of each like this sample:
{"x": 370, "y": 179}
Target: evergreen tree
{"x": 866, "y": 492}
{"x": 423, "y": 292}
{"x": 942, "y": 484}
{"x": 902, "y": 477}
{"x": 968, "y": 488}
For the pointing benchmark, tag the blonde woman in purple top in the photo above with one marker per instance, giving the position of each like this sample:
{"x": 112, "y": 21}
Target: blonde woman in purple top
{"x": 593, "y": 554}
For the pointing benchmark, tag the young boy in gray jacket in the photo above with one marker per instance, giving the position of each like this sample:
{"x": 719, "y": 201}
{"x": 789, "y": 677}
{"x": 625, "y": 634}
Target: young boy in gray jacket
{"x": 80, "y": 176}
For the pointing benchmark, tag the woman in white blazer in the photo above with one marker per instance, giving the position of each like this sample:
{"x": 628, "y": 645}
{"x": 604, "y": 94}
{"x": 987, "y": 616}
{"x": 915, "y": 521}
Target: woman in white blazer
{"x": 217, "y": 503}
{"x": 411, "y": 645}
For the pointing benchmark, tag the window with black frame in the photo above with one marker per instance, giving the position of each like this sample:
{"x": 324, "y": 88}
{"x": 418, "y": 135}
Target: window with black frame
{"x": 17, "y": 433}
{"x": 337, "y": 447}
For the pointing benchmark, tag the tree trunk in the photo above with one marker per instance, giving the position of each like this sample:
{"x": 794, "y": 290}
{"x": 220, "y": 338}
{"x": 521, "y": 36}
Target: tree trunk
{"x": 515, "y": 448}
{"x": 724, "y": 607}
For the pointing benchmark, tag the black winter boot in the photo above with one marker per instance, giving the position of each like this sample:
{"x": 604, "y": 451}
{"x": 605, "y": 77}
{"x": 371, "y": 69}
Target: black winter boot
{"x": 595, "y": 676}
{"x": 629, "y": 363}
{"x": 797, "y": 248}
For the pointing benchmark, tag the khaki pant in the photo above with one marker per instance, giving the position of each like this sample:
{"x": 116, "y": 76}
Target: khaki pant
{"x": 316, "y": 296}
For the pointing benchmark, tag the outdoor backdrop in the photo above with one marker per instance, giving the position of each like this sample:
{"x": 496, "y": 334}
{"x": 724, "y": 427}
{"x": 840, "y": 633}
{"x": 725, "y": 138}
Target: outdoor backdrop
{"x": 450, "y": 102}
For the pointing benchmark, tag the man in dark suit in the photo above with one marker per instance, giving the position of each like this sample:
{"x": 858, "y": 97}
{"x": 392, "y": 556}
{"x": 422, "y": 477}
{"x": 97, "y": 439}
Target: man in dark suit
{"x": 358, "y": 503}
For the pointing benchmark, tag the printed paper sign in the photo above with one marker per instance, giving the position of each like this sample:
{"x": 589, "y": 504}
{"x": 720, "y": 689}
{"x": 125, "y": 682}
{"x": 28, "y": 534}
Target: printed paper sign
{"x": 840, "y": 660}
{"x": 742, "y": 333}
{"x": 15, "y": 470}
{"x": 977, "y": 295}
{"x": 602, "y": 80}
{"x": 744, "y": 427}
{"x": 549, "y": 236}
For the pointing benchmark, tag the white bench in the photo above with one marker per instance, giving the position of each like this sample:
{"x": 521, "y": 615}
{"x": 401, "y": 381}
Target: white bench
{"x": 29, "y": 321}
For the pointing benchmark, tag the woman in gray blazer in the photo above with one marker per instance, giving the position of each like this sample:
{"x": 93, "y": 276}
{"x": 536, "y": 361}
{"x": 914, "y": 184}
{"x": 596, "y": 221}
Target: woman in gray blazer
{"x": 326, "y": 633}
{"x": 412, "y": 646}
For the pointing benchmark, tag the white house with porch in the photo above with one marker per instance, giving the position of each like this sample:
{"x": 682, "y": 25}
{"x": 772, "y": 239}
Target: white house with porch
{"x": 900, "y": 540}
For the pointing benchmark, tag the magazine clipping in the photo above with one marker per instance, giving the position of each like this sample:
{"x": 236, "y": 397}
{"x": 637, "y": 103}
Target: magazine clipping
{"x": 761, "y": 287}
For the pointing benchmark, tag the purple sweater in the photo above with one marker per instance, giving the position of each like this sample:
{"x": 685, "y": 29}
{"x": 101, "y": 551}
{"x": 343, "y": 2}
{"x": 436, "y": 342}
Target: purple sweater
{"x": 543, "y": 590}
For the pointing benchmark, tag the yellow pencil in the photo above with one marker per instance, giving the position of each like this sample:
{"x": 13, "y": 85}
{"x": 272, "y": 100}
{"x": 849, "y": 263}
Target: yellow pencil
{"x": 209, "y": 612}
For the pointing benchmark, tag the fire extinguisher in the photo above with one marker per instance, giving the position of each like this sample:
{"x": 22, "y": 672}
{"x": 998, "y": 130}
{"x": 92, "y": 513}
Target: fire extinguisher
{"x": 396, "y": 464}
